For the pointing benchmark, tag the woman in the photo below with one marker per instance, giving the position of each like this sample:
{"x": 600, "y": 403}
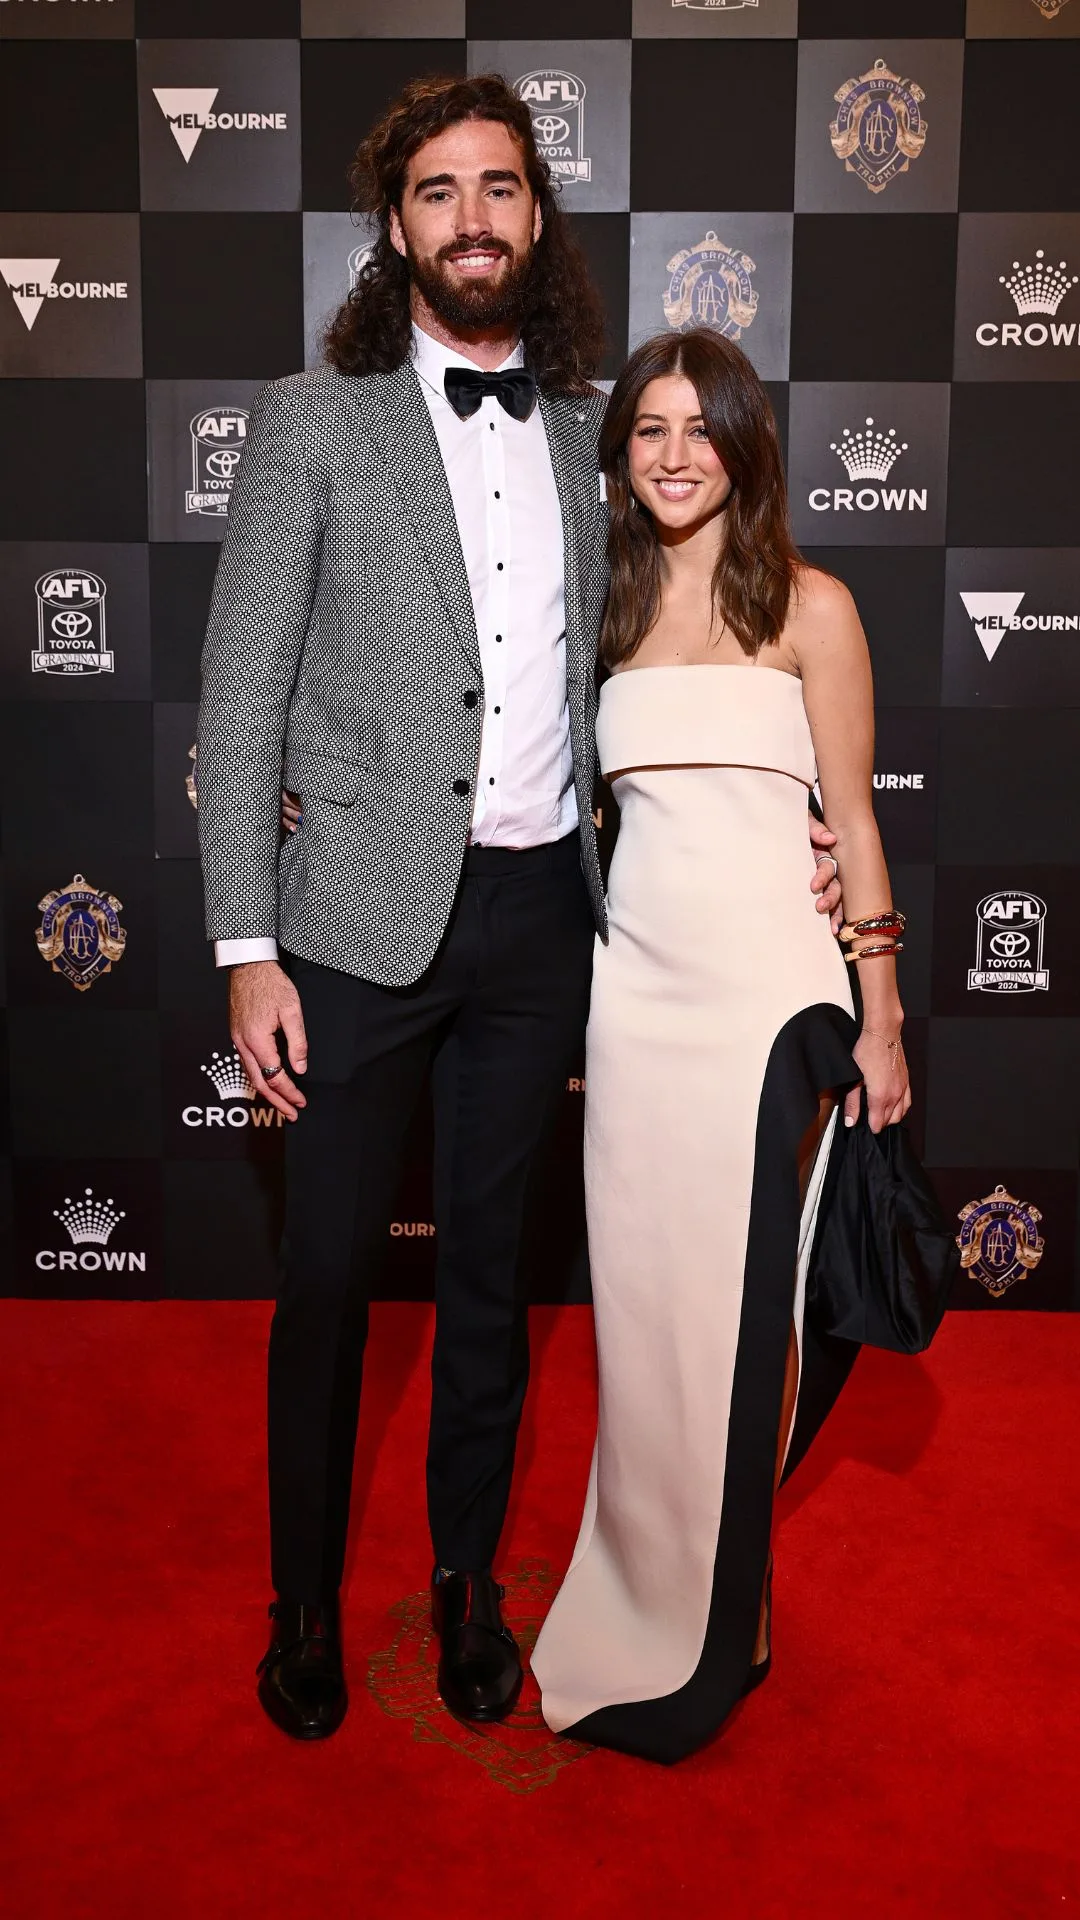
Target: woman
{"x": 720, "y": 1039}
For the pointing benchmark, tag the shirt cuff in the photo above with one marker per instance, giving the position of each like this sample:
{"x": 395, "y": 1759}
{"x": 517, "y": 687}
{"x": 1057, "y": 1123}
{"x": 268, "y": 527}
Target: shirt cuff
{"x": 236, "y": 953}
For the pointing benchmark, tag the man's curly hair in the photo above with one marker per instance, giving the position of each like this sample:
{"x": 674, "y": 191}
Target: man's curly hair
{"x": 563, "y": 327}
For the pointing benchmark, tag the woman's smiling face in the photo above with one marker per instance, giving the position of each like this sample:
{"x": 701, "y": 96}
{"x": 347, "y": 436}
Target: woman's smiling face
{"x": 675, "y": 470}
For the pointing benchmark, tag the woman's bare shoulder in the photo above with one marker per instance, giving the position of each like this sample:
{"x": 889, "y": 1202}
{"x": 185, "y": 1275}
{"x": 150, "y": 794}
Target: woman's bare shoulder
{"x": 824, "y": 623}
{"x": 819, "y": 596}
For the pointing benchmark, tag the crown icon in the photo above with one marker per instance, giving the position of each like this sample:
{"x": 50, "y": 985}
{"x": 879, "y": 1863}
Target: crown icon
{"x": 868, "y": 456}
{"x": 88, "y": 1219}
{"x": 1037, "y": 288}
{"x": 229, "y": 1076}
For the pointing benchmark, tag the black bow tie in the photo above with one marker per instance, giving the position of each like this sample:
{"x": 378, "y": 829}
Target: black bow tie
{"x": 466, "y": 387}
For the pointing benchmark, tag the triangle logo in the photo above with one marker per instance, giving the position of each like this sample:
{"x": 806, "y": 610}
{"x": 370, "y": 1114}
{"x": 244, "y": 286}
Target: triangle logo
{"x": 990, "y": 614}
{"x": 21, "y": 276}
{"x": 186, "y": 104}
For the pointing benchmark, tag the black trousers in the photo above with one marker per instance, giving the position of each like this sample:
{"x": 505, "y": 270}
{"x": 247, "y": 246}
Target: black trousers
{"x": 497, "y": 1019}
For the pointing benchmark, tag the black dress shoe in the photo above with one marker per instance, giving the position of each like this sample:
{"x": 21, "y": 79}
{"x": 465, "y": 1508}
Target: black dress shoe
{"x": 301, "y": 1681}
{"x": 479, "y": 1665}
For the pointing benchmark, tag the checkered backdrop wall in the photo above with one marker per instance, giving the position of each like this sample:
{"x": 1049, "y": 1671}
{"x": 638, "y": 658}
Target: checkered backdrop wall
{"x": 880, "y": 200}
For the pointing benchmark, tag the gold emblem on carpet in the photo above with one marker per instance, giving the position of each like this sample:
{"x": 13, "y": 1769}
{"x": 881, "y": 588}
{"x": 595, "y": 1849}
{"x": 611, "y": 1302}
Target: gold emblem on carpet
{"x": 520, "y": 1753}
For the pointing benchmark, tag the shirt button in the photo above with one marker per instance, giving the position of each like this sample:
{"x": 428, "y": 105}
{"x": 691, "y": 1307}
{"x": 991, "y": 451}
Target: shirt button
{"x": 461, "y": 786}
{"x": 469, "y": 698}
{"x": 498, "y": 636}
{"x": 498, "y": 709}
{"x": 499, "y": 565}
{"x": 491, "y": 780}
{"x": 498, "y": 495}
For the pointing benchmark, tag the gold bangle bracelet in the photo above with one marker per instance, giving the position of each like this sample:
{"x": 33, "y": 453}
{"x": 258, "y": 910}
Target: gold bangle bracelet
{"x": 891, "y": 922}
{"x": 870, "y": 953}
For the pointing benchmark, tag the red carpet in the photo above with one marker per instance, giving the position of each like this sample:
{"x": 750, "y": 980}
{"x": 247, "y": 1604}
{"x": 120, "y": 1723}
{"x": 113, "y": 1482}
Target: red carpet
{"x": 915, "y": 1751}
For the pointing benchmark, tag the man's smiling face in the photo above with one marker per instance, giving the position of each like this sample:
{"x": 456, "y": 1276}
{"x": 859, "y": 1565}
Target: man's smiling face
{"x": 467, "y": 225}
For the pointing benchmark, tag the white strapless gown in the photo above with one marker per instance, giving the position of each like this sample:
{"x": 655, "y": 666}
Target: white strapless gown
{"x": 721, "y": 1009}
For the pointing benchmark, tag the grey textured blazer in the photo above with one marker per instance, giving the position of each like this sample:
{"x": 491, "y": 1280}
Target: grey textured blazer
{"x": 341, "y": 644}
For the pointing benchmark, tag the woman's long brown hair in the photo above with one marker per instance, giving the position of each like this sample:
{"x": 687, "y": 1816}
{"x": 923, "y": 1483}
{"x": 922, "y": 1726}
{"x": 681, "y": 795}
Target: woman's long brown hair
{"x": 757, "y": 567}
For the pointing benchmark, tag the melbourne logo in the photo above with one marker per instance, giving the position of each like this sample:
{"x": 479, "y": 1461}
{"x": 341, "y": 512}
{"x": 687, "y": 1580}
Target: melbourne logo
{"x": 899, "y": 782}
{"x": 80, "y": 934}
{"x": 999, "y": 1240}
{"x": 237, "y": 1104}
{"x": 1009, "y": 944}
{"x": 32, "y": 282}
{"x": 189, "y": 114}
{"x": 556, "y": 101}
{"x": 710, "y": 287}
{"x": 1050, "y": 8}
{"x": 217, "y": 441}
{"x": 71, "y": 623}
{"x": 868, "y": 457}
{"x": 717, "y": 6}
{"x": 89, "y": 1225}
{"x": 1037, "y": 287}
{"x": 879, "y": 129}
{"x": 993, "y": 615}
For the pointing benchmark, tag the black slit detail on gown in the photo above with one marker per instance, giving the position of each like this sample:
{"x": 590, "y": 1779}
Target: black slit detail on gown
{"x": 811, "y": 1055}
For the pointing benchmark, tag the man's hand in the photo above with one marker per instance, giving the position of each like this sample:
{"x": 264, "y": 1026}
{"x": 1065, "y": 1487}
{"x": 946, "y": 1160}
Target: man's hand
{"x": 262, "y": 1002}
{"x": 825, "y": 881}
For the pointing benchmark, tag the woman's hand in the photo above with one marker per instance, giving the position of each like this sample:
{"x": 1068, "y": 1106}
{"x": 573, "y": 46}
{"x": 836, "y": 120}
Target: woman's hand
{"x": 290, "y": 812}
{"x": 885, "y": 1081}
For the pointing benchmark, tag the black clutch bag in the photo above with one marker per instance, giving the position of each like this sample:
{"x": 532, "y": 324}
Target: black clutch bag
{"x": 884, "y": 1256}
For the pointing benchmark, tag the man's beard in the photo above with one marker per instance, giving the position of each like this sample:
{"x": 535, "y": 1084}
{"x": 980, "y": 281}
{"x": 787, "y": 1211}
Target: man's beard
{"x": 473, "y": 305}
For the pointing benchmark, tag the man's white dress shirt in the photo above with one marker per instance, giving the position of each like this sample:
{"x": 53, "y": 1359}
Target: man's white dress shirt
{"x": 510, "y": 522}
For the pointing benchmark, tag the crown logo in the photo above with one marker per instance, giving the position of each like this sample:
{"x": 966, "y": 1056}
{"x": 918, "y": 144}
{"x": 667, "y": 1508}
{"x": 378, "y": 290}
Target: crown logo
{"x": 229, "y": 1076}
{"x": 88, "y": 1220}
{"x": 1037, "y": 288}
{"x": 868, "y": 455}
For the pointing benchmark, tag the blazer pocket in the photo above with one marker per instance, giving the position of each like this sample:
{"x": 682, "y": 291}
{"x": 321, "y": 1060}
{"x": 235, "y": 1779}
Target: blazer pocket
{"x": 319, "y": 776}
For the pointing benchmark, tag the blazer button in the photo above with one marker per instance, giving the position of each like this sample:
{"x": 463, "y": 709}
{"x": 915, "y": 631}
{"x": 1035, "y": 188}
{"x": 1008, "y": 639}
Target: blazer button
{"x": 469, "y": 698}
{"x": 461, "y": 786}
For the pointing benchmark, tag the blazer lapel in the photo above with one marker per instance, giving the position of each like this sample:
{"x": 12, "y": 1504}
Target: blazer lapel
{"x": 397, "y": 417}
{"x": 573, "y": 460}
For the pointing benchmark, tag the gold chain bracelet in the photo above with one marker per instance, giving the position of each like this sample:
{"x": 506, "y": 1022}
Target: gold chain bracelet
{"x": 894, "y": 1046}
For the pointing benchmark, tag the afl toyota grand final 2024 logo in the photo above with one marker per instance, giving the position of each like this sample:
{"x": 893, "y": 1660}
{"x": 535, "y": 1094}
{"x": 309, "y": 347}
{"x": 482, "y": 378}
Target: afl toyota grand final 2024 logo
{"x": 71, "y": 623}
{"x": 217, "y": 441}
{"x": 1009, "y": 954}
{"x": 879, "y": 129}
{"x": 556, "y": 101}
{"x": 710, "y": 287}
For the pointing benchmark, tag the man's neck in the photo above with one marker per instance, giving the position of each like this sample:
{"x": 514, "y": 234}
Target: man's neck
{"x": 486, "y": 347}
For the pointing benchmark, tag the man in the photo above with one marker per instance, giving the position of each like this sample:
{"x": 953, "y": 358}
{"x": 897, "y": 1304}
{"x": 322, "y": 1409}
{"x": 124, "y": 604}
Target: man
{"x": 403, "y": 629}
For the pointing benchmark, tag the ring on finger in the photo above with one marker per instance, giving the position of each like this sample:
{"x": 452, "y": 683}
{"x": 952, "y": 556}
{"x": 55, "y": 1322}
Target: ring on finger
{"x": 269, "y": 1072}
